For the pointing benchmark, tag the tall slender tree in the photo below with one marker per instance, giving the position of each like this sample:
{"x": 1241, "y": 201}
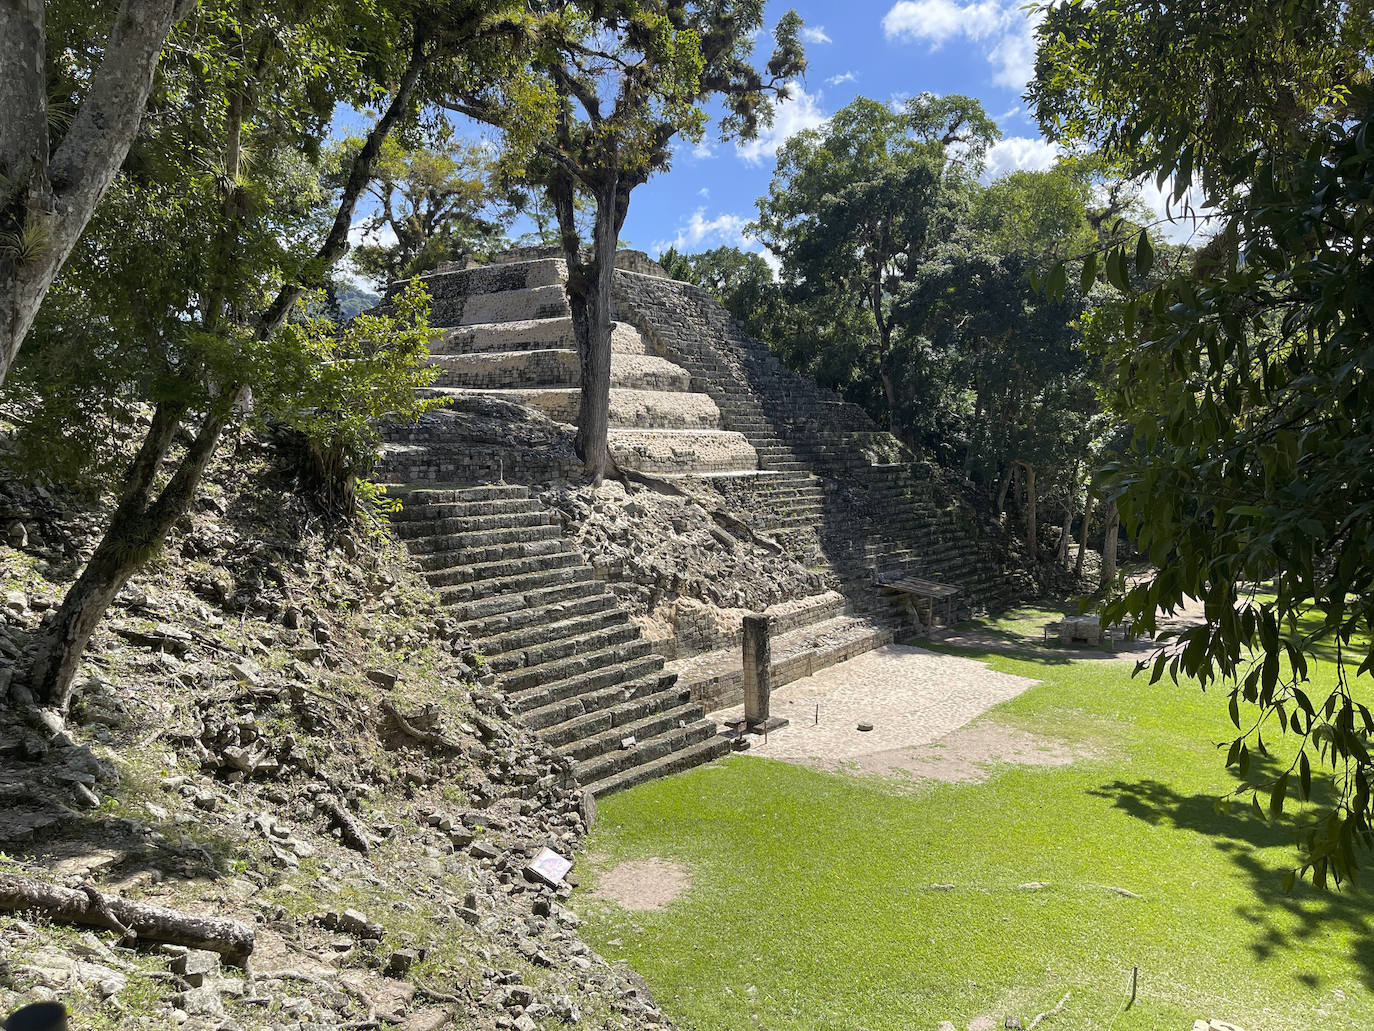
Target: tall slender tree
{"x": 615, "y": 85}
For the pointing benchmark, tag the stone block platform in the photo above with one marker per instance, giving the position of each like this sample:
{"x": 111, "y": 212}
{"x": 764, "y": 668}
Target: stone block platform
{"x": 694, "y": 401}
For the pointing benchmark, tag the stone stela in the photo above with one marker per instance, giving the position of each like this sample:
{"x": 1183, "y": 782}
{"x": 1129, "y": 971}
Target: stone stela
{"x": 758, "y": 675}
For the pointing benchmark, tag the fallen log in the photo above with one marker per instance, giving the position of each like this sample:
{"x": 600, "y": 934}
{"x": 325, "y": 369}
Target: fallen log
{"x": 351, "y": 832}
{"x": 424, "y": 737}
{"x": 141, "y": 921}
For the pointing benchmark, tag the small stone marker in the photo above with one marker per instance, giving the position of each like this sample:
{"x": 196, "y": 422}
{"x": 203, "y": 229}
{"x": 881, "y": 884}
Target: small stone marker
{"x": 865, "y": 727}
{"x": 549, "y": 867}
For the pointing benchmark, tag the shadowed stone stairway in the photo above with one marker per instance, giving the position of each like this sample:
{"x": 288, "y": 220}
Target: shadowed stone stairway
{"x": 573, "y": 666}
{"x": 693, "y": 401}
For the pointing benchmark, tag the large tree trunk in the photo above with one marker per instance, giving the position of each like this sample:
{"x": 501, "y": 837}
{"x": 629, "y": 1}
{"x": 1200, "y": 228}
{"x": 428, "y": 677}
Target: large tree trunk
{"x": 1113, "y": 521}
{"x": 1062, "y": 558}
{"x": 46, "y": 200}
{"x": 1083, "y": 540}
{"x": 594, "y": 406}
{"x": 1031, "y": 536}
{"x": 1007, "y": 476}
{"x": 136, "y": 533}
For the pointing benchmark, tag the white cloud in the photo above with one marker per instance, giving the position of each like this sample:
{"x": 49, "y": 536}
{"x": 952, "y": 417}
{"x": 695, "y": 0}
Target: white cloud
{"x": 699, "y": 231}
{"x": 1006, "y": 32}
{"x": 1018, "y": 153}
{"x": 941, "y": 20}
{"x": 814, "y": 34}
{"x": 704, "y": 150}
{"x": 704, "y": 192}
{"x": 800, "y": 111}
{"x": 843, "y": 77}
{"x": 1188, "y": 219}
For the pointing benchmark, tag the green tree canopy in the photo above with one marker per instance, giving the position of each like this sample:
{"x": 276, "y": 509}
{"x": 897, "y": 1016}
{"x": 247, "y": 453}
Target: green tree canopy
{"x": 608, "y": 90}
{"x": 1246, "y": 372}
{"x": 434, "y": 202}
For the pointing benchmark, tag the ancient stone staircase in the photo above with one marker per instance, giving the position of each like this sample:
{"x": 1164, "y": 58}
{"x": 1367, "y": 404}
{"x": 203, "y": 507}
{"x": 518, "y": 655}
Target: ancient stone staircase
{"x": 572, "y": 664}
{"x": 509, "y": 335}
{"x": 886, "y": 514}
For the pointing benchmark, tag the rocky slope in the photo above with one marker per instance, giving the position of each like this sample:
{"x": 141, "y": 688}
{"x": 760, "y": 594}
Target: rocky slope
{"x": 276, "y": 724}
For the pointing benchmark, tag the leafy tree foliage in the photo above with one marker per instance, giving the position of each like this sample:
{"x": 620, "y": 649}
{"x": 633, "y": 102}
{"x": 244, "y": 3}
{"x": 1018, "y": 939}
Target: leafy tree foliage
{"x": 856, "y": 206}
{"x": 610, "y": 88}
{"x": 740, "y": 280}
{"x": 218, "y": 225}
{"x": 434, "y": 203}
{"x": 1247, "y": 371}
{"x": 73, "y": 85}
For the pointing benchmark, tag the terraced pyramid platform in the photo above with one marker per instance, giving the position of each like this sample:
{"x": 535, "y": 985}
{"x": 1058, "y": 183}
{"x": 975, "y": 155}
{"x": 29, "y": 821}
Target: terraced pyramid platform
{"x": 693, "y": 400}
{"x": 508, "y": 335}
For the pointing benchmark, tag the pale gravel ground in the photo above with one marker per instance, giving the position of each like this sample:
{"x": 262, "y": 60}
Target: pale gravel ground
{"x": 643, "y": 884}
{"x": 912, "y": 696}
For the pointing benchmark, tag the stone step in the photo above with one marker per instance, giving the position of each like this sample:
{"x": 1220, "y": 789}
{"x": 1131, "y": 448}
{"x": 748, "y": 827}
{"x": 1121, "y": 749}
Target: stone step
{"x": 639, "y": 409}
{"x": 712, "y": 748}
{"x": 579, "y": 688}
{"x": 650, "y": 725}
{"x": 562, "y": 674}
{"x": 520, "y": 603}
{"x": 560, "y": 720}
{"x": 607, "y": 634}
{"x": 716, "y": 678}
{"x": 489, "y": 279}
{"x": 462, "y": 593}
{"x": 462, "y": 573}
{"x": 573, "y": 625}
{"x": 483, "y": 628}
{"x": 489, "y": 554}
{"x": 529, "y": 335}
{"x": 438, "y": 521}
{"x": 427, "y": 544}
{"x": 475, "y": 497}
{"x": 682, "y": 451}
{"x": 553, "y": 369}
{"x": 540, "y": 302}
{"x": 607, "y": 765}
{"x": 655, "y": 693}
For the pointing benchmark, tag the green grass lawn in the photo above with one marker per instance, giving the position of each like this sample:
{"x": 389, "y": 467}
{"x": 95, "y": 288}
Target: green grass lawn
{"x": 818, "y": 899}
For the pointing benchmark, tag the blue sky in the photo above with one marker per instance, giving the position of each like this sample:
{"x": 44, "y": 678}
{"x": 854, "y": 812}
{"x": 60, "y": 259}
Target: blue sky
{"x": 883, "y": 50}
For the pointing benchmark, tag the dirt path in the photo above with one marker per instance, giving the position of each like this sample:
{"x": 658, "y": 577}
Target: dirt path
{"x": 910, "y": 696}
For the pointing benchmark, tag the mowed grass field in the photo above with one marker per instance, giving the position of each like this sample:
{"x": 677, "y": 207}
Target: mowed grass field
{"x": 830, "y": 901}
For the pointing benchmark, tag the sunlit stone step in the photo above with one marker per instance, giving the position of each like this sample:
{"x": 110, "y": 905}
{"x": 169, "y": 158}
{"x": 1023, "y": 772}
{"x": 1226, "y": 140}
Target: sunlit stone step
{"x": 682, "y": 451}
{"x": 554, "y": 368}
{"x": 645, "y": 409}
{"x": 488, "y": 279}
{"x": 528, "y": 335}
{"x": 541, "y": 302}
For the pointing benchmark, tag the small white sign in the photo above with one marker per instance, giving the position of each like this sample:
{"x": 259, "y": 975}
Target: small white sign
{"x": 549, "y": 866}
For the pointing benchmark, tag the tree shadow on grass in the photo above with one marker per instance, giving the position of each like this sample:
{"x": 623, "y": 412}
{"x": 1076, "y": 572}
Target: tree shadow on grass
{"x": 1281, "y": 921}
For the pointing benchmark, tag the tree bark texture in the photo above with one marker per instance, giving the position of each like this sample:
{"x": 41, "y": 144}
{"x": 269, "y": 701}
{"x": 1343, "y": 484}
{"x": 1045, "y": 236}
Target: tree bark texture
{"x": 1083, "y": 540}
{"x": 47, "y": 198}
{"x": 1113, "y": 521}
{"x": 90, "y": 908}
{"x": 594, "y": 404}
{"x": 1032, "y": 540}
{"x": 136, "y": 531}
{"x": 1062, "y": 558}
